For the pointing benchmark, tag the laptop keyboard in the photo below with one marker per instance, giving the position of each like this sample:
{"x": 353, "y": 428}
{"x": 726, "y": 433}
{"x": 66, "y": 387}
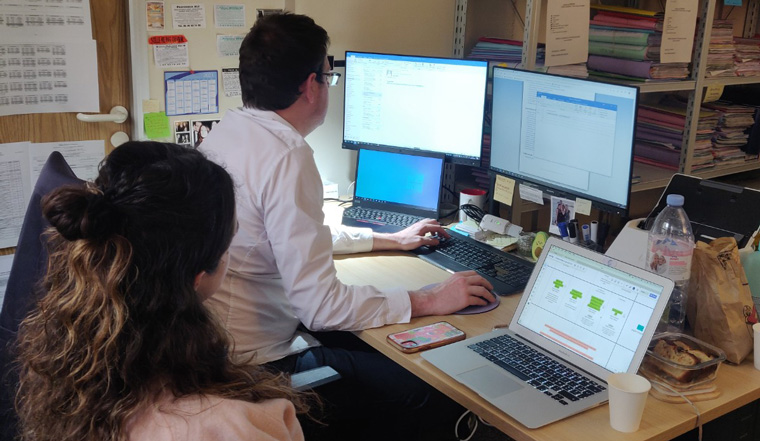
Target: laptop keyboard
{"x": 493, "y": 263}
{"x": 543, "y": 373}
{"x": 386, "y": 217}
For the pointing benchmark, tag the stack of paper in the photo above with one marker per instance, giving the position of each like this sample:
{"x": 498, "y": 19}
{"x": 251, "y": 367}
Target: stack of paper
{"x": 732, "y": 133}
{"x": 747, "y": 57}
{"x": 625, "y": 43}
{"x": 720, "y": 54}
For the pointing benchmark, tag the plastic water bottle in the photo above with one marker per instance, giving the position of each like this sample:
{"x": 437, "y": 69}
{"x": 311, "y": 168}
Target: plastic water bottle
{"x": 669, "y": 252}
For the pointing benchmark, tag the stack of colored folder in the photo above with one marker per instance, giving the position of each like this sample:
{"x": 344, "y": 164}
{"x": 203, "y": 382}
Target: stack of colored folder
{"x": 732, "y": 133}
{"x": 660, "y": 131}
{"x": 625, "y": 43}
{"x": 509, "y": 53}
{"x": 500, "y": 49}
{"x": 747, "y": 57}
{"x": 720, "y": 53}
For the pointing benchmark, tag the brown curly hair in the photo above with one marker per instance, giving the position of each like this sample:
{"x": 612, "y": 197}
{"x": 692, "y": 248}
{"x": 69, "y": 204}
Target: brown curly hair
{"x": 120, "y": 318}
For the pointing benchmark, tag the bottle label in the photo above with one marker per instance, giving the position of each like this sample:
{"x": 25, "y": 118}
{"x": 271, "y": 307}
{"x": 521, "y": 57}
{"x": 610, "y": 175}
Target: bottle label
{"x": 670, "y": 258}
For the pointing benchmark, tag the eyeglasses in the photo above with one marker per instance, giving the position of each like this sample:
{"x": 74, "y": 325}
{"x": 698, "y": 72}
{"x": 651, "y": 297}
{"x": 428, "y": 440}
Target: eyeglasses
{"x": 332, "y": 78}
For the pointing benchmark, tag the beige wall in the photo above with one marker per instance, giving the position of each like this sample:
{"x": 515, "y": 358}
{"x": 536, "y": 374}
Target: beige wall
{"x": 418, "y": 27}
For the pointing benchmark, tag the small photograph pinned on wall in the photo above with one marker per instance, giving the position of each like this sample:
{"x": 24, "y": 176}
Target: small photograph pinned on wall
{"x": 201, "y": 129}
{"x": 181, "y": 126}
{"x": 562, "y": 211}
{"x": 182, "y": 133}
{"x": 183, "y": 139}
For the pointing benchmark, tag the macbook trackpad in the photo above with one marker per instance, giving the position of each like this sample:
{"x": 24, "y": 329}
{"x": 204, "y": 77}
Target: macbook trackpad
{"x": 489, "y": 381}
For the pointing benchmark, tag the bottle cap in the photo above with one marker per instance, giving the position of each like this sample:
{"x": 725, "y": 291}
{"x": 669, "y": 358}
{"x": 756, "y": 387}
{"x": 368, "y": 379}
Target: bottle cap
{"x": 675, "y": 200}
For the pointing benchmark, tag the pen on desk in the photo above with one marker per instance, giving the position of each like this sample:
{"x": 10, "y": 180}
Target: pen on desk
{"x": 586, "y": 232}
{"x": 594, "y": 228}
{"x": 563, "y": 230}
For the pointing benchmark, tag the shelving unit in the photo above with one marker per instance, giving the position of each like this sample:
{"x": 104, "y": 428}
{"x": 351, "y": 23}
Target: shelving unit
{"x": 651, "y": 177}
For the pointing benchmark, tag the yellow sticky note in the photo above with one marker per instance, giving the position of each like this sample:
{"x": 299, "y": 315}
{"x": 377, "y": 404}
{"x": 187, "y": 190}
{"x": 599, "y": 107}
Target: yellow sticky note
{"x": 150, "y": 106}
{"x": 157, "y": 125}
{"x": 713, "y": 93}
{"x": 582, "y": 206}
{"x": 504, "y": 190}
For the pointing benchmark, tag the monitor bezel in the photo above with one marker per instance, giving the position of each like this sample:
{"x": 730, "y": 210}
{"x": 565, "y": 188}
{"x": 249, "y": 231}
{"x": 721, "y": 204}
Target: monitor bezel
{"x": 449, "y": 158}
{"x": 549, "y": 189}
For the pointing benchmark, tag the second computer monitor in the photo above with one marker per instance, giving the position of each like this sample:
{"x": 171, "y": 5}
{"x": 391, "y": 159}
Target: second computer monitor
{"x": 417, "y": 103}
{"x": 567, "y": 136}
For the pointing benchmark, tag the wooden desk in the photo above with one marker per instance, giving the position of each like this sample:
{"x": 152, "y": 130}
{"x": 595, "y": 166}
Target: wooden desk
{"x": 739, "y": 385}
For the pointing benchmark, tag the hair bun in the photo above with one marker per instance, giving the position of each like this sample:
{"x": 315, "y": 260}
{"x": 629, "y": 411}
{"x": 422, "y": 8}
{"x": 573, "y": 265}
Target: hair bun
{"x": 81, "y": 213}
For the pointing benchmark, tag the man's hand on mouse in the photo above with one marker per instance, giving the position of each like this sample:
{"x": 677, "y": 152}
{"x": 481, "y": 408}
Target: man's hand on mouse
{"x": 424, "y": 232}
{"x": 455, "y": 293}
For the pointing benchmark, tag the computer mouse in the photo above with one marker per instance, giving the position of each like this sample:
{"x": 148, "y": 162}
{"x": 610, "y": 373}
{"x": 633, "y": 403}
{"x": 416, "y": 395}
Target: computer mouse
{"x": 474, "y": 309}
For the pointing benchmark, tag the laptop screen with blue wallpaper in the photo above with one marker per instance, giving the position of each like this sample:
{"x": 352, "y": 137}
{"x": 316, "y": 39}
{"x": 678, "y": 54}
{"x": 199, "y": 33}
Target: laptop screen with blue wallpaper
{"x": 410, "y": 184}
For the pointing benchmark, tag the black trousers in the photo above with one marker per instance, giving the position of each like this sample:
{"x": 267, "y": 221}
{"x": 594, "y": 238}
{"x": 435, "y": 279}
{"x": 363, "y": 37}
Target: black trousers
{"x": 375, "y": 398}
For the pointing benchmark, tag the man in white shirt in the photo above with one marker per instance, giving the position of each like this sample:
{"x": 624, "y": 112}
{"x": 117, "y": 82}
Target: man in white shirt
{"x": 281, "y": 271}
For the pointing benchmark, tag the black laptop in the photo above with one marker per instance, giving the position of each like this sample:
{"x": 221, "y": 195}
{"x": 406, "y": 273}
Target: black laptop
{"x": 394, "y": 190}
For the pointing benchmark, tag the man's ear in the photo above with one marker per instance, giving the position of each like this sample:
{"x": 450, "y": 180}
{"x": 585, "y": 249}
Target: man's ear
{"x": 310, "y": 88}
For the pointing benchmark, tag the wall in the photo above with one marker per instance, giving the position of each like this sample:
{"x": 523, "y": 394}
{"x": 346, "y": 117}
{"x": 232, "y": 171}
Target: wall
{"x": 419, "y": 27}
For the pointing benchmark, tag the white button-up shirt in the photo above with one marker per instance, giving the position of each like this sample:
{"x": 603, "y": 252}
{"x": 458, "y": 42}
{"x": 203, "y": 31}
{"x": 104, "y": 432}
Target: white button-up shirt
{"x": 281, "y": 271}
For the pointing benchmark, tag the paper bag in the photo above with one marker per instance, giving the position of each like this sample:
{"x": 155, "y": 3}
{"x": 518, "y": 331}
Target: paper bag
{"x": 719, "y": 305}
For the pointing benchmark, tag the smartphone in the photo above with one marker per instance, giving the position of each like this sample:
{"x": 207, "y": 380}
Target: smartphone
{"x": 426, "y": 337}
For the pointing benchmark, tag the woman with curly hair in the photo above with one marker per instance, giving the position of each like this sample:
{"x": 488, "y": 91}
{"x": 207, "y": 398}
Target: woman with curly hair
{"x": 121, "y": 347}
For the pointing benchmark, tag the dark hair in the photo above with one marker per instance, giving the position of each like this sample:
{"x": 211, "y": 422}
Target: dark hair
{"x": 277, "y": 56}
{"x": 120, "y": 318}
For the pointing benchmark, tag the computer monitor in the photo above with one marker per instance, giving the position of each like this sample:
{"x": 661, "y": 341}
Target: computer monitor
{"x": 568, "y": 137}
{"x": 398, "y": 102}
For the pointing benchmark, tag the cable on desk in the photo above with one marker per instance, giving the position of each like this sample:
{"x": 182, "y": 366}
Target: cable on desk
{"x": 473, "y": 422}
{"x": 450, "y": 213}
{"x": 699, "y": 419}
{"x": 473, "y": 211}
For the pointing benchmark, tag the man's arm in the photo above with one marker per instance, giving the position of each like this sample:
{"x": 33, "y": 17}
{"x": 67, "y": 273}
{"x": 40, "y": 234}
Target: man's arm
{"x": 411, "y": 237}
{"x": 457, "y": 292}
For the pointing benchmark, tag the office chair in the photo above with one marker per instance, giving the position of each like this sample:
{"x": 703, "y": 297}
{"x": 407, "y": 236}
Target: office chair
{"x": 29, "y": 266}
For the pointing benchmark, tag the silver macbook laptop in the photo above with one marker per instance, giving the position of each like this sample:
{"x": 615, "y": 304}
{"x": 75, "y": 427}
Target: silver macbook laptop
{"x": 581, "y": 317}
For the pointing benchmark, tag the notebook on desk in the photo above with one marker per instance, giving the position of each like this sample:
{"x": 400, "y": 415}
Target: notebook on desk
{"x": 582, "y": 316}
{"x": 394, "y": 190}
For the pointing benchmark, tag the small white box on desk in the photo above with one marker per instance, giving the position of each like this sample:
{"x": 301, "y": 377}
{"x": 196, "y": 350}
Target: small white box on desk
{"x": 630, "y": 245}
{"x": 330, "y": 190}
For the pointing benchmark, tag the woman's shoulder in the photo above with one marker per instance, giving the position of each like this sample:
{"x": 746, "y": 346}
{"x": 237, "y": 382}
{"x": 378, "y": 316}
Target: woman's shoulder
{"x": 198, "y": 417}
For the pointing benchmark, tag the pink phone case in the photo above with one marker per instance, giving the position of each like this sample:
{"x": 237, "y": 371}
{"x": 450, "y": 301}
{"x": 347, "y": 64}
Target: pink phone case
{"x": 426, "y": 337}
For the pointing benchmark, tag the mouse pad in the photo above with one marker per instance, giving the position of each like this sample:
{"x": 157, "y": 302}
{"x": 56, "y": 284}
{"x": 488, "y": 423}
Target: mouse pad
{"x": 472, "y": 309}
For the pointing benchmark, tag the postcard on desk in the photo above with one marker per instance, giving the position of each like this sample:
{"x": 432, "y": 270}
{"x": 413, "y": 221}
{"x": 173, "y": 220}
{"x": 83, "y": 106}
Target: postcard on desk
{"x": 582, "y": 317}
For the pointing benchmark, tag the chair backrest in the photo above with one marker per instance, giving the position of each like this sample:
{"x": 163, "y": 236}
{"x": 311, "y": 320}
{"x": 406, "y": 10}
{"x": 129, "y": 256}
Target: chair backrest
{"x": 29, "y": 266}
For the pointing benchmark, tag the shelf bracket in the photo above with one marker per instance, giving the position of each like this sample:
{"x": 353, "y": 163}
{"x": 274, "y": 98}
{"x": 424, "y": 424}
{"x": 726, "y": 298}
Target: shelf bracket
{"x": 460, "y": 24}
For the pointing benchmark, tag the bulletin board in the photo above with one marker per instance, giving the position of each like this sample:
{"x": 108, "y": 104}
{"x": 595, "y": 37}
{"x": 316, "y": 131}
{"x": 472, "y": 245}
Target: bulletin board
{"x": 184, "y": 64}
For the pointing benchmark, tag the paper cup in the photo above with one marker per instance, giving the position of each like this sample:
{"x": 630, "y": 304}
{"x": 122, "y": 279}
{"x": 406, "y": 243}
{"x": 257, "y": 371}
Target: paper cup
{"x": 628, "y": 395}
{"x": 472, "y": 196}
{"x": 756, "y": 334}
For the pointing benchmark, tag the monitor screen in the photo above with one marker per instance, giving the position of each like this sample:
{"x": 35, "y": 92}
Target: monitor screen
{"x": 568, "y": 137}
{"x": 417, "y": 103}
{"x": 396, "y": 178}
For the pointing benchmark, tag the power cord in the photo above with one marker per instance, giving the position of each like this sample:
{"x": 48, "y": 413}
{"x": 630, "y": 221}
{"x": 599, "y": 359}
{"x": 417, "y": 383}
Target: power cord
{"x": 474, "y": 212}
{"x": 696, "y": 410}
{"x": 472, "y": 424}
